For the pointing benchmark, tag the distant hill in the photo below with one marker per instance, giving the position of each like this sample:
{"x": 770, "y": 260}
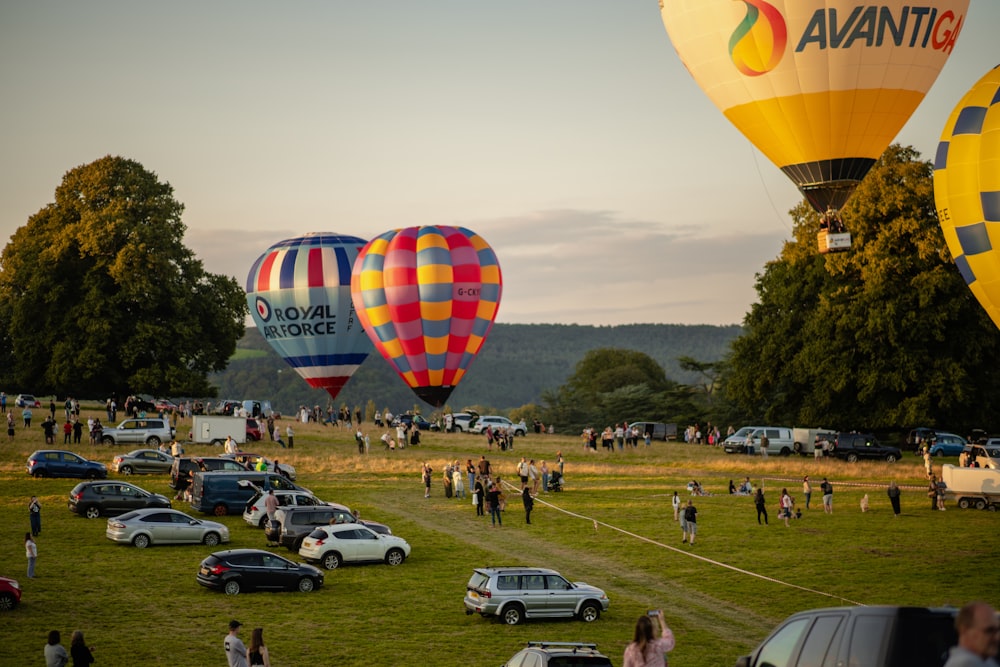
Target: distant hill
{"x": 517, "y": 363}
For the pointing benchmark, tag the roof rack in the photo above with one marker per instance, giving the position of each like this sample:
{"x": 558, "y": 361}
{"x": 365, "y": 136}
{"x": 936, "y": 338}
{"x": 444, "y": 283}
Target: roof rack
{"x": 573, "y": 645}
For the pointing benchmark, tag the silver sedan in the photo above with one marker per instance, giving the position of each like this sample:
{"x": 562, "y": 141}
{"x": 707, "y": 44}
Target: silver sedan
{"x": 143, "y": 528}
{"x": 140, "y": 461}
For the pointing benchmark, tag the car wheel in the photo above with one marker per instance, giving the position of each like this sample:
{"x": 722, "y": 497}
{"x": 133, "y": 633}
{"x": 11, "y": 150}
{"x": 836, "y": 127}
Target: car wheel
{"x": 980, "y": 504}
{"x": 590, "y": 611}
{"x": 331, "y": 560}
{"x": 7, "y": 601}
{"x": 263, "y": 522}
{"x": 964, "y": 503}
{"x": 852, "y": 458}
{"x": 306, "y": 585}
{"x": 140, "y": 541}
{"x": 153, "y": 441}
{"x": 394, "y": 557}
{"x": 216, "y": 443}
{"x": 38, "y": 474}
{"x": 107, "y": 440}
{"x": 296, "y": 545}
{"x": 890, "y": 458}
{"x": 220, "y": 510}
{"x": 126, "y": 470}
{"x": 92, "y": 512}
{"x": 211, "y": 540}
{"x": 232, "y": 587}
{"x": 513, "y": 614}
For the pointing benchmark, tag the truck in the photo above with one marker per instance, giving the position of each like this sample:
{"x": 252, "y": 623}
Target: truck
{"x": 972, "y": 487}
{"x": 804, "y": 439}
{"x": 214, "y": 429}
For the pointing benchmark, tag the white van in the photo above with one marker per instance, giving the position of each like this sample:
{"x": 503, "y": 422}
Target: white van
{"x": 780, "y": 440}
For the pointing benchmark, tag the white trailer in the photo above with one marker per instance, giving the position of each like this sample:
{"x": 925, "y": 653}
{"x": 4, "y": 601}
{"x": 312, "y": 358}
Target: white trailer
{"x": 805, "y": 438}
{"x": 215, "y": 429}
{"x": 972, "y": 487}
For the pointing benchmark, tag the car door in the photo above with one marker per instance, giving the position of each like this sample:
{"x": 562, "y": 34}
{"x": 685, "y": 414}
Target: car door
{"x": 128, "y": 497}
{"x": 55, "y": 464}
{"x": 304, "y": 500}
{"x": 104, "y": 496}
{"x": 368, "y": 546}
{"x": 152, "y": 461}
{"x": 535, "y": 596}
{"x": 186, "y": 529}
{"x": 72, "y": 465}
{"x": 277, "y": 573}
{"x": 562, "y": 597}
{"x": 160, "y": 525}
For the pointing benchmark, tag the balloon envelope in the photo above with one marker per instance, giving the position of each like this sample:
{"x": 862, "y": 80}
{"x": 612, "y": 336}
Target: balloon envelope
{"x": 427, "y": 296}
{"x": 967, "y": 189}
{"x": 821, "y": 87}
{"x": 299, "y": 293}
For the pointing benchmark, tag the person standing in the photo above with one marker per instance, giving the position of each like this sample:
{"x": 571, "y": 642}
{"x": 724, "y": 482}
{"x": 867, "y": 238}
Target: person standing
{"x": 928, "y": 462}
{"x": 691, "y": 521}
{"x": 893, "y": 493}
{"x": 78, "y": 650}
{"x": 426, "y": 476}
{"x": 270, "y": 507}
{"x": 644, "y": 650}
{"x": 760, "y": 504}
{"x": 493, "y": 498}
{"x": 470, "y": 471}
{"x": 456, "y": 480}
{"x": 479, "y": 494}
{"x": 676, "y": 502}
{"x": 290, "y": 434}
{"x": 533, "y": 477}
{"x": 932, "y": 491}
{"x": 765, "y": 442}
{"x": 827, "y": 490}
{"x": 55, "y": 653}
{"x": 31, "y": 551}
{"x": 529, "y": 503}
{"x": 545, "y": 477}
{"x": 10, "y": 426}
{"x": 26, "y": 416}
{"x": 978, "y": 637}
{"x": 807, "y": 490}
{"x": 35, "y": 515}
{"x": 258, "y": 654}
{"x": 562, "y": 464}
{"x": 786, "y": 506}
{"x": 236, "y": 650}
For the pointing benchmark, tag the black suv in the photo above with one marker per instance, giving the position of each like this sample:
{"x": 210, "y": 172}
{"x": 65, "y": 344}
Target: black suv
{"x": 185, "y": 466}
{"x": 910, "y": 636}
{"x": 855, "y": 446}
{"x": 559, "y": 654}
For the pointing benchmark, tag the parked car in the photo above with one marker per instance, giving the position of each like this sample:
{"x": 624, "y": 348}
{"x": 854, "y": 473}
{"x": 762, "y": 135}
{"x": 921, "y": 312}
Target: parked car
{"x": 495, "y": 422}
{"x": 256, "y": 515}
{"x": 462, "y": 421}
{"x": 559, "y": 654}
{"x": 291, "y": 525}
{"x": 184, "y": 467}
{"x": 221, "y": 492}
{"x": 947, "y": 444}
{"x": 781, "y": 440}
{"x": 352, "y": 543}
{"x": 985, "y": 456}
{"x": 877, "y": 636}
{"x": 140, "y": 461}
{"x": 656, "y": 430}
{"x": 855, "y": 446}
{"x": 143, "y": 528}
{"x": 226, "y": 407}
{"x": 107, "y": 498}
{"x": 60, "y": 463}
{"x": 516, "y": 593}
{"x": 139, "y": 430}
{"x": 27, "y": 401}
{"x": 409, "y": 419}
{"x": 165, "y": 405}
{"x": 253, "y": 430}
{"x": 250, "y": 460}
{"x": 240, "y": 570}
{"x": 10, "y": 594}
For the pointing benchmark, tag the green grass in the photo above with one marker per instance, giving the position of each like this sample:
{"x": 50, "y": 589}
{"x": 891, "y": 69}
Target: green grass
{"x": 145, "y": 607}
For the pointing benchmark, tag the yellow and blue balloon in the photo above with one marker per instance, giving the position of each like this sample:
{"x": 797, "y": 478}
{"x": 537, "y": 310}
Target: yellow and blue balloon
{"x": 967, "y": 189}
{"x": 427, "y": 296}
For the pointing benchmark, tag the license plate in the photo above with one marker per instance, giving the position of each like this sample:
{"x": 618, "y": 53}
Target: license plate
{"x": 474, "y": 595}
{"x": 204, "y": 570}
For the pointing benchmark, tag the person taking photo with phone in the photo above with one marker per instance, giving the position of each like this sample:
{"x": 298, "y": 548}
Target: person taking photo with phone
{"x": 645, "y": 650}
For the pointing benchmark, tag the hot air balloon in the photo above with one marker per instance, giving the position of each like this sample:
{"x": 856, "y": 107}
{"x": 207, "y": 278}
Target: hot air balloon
{"x": 821, "y": 87}
{"x": 967, "y": 189}
{"x": 299, "y": 293}
{"x": 427, "y": 296}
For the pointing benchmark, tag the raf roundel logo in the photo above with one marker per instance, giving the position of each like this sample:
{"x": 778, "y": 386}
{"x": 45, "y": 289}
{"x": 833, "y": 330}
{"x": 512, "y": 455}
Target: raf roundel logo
{"x": 758, "y": 43}
{"x": 263, "y": 309}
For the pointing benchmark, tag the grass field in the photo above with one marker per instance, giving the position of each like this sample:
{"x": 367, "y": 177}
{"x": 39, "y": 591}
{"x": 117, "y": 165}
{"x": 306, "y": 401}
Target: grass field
{"x": 721, "y": 597}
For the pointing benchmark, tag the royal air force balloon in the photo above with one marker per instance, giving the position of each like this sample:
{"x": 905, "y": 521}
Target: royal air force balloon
{"x": 821, "y": 87}
{"x": 299, "y": 293}
{"x": 427, "y": 296}
{"x": 967, "y": 189}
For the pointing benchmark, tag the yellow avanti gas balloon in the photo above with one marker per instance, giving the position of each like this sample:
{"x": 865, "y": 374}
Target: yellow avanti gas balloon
{"x": 967, "y": 189}
{"x": 819, "y": 86}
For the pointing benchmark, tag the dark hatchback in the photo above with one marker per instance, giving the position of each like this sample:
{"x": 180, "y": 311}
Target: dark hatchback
{"x": 239, "y": 570}
{"x": 59, "y": 463}
{"x": 94, "y": 499}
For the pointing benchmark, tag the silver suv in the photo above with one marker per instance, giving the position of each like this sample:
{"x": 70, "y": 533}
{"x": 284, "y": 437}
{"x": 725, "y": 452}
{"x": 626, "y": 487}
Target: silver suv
{"x": 140, "y": 430}
{"x": 516, "y": 593}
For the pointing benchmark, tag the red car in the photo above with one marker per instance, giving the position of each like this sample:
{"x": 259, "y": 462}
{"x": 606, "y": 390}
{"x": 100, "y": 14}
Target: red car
{"x": 10, "y": 594}
{"x": 253, "y": 430}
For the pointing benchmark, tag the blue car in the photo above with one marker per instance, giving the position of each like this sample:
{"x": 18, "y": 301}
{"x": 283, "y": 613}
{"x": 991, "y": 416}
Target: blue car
{"x": 947, "y": 444}
{"x": 60, "y": 463}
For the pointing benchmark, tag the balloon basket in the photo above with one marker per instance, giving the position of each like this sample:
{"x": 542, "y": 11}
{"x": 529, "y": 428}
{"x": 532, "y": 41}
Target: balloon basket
{"x": 833, "y": 242}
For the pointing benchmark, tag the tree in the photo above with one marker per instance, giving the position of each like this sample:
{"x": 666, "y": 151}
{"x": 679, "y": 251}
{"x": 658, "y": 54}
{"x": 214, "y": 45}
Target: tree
{"x": 98, "y": 293}
{"x": 884, "y": 336}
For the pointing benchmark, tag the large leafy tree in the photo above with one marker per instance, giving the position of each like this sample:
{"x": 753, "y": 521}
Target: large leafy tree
{"x": 886, "y": 335}
{"x": 98, "y": 293}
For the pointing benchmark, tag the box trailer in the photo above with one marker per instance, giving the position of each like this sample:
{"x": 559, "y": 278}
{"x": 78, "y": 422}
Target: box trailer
{"x": 214, "y": 429}
{"x": 972, "y": 487}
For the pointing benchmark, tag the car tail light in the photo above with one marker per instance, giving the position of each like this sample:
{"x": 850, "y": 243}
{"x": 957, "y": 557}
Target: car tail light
{"x": 77, "y": 496}
{"x": 318, "y": 542}
{"x": 218, "y": 569}
{"x": 32, "y": 462}
{"x": 119, "y": 459}
{"x": 485, "y": 594}
{"x": 115, "y": 524}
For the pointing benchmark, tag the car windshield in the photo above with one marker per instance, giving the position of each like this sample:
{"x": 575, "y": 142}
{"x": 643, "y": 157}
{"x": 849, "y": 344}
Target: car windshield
{"x": 742, "y": 433}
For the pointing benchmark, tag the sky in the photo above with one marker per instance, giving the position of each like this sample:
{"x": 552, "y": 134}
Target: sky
{"x": 567, "y": 134}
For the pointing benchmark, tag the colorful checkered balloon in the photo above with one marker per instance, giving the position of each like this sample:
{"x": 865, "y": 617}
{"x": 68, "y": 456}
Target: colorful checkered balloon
{"x": 427, "y": 297}
{"x": 967, "y": 189}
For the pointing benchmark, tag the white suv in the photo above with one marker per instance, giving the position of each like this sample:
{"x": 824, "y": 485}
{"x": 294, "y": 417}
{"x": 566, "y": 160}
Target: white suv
{"x": 139, "y": 431}
{"x": 496, "y": 422}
